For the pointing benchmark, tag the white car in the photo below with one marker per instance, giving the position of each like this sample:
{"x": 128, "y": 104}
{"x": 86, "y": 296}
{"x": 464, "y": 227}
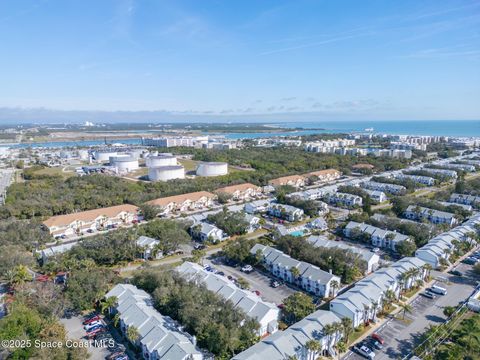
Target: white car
{"x": 93, "y": 324}
{"x": 247, "y": 268}
{"x": 364, "y": 351}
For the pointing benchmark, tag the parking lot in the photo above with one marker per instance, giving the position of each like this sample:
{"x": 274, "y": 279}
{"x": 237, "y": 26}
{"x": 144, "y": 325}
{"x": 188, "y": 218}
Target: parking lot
{"x": 259, "y": 282}
{"x": 103, "y": 348}
{"x": 402, "y": 336}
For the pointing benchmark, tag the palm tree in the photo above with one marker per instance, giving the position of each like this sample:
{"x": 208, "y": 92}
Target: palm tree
{"x": 375, "y": 308}
{"x": 132, "y": 334}
{"x": 108, "y": 303}
{"x": 313, "y": 347}
{"x": 341, "y": 347}
{"x": 116, "y": 319}
{"x": 328, "y": 330}
{"x": 295, "y": 273}
{"x": 347, "y": 328}
{"x": 334, "y": 285}
{"x": 406, "y": 308}
{"x": 366, "y": 315}
{"x": 428, "y": 268}
{"x": 19, "y": 275}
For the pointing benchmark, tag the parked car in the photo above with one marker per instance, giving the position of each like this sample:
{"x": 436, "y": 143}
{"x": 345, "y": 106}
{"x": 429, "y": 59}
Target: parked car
{"x": 198, "y": 246}
{"x": 247, "y": 268}
{"x": 221, "y": 273}
{"x": 93, "y": 324}
{"x": 115, "y": 355}
{"x": 438, "y": 290}
{"x": 429, "y": 295}
{"x": 372, "y": 343}
{"x": 364, "y": 351}
{"x": 91, "y": 320}
{"x": 378, "y": 338}
{"x": 274, "y": 284}
{"x": 256, "y": 292}
{"x": 455, "y": 272}
{"x": 470, "y": 261}
{"x": 375, "y": 249}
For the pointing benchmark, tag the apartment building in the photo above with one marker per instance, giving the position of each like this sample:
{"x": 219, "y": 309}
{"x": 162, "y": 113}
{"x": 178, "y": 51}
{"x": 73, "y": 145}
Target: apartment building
{"x": 241, "y": 192}
{"x": 414, "y": 212}
{"x": 324, "y": 175}
{"x": 425, "y": 180}
{"x": 293, "y": 180}
{"x": 445, "y": 172}
{"x": 363, "y": 302}
{"x": 287, "y": 212}
{"x": 344, "y": 199}
{"x": 91, "y": 220}
{"x": 465, "y": 199}
{"x": 160, "y": 336}
{"x": 375, "y": 195}
{"x": 371, "y": 259}
{"x": 379, "y": 237}
{"x": 310, "y": 278}
{"x": 292, "y": 343}
{"x": 265, "y": 313}
{"x": 441, "y": 246}
{"x": 387, "y": 188}
{"x": 199, "y": 200}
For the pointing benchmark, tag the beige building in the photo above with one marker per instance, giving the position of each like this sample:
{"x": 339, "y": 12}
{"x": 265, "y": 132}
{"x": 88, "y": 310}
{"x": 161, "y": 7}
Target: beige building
{"x": 241, "y": 191}
{"x": 185, "y": 202}
{"x": 91, "y": 220}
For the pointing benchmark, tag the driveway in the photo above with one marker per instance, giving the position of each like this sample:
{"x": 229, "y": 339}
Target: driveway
{"x": 258, "y": 282}
{"x": 402, "y": 336}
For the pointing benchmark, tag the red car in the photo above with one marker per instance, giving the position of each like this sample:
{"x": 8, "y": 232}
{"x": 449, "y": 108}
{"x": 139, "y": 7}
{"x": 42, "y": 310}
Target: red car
{"x": 256, "y": 292}
{"x": 377, "y": 337}
{"x": 92, "y": 319}
{"x": 281, "y": 306}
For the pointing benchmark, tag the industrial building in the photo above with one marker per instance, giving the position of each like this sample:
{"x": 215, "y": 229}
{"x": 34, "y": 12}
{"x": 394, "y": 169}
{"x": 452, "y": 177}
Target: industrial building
{"x": 161, "y": 160}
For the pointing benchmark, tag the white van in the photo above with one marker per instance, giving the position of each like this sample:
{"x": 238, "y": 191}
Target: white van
{"x": 438, "y": 290}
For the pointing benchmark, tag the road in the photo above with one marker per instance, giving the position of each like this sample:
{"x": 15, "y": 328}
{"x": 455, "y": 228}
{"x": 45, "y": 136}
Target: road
{"x": 401, "y": 337}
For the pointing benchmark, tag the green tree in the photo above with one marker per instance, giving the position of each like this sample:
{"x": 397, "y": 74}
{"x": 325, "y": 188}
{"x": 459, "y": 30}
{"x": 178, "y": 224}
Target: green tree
{"x": 297, "y": 306}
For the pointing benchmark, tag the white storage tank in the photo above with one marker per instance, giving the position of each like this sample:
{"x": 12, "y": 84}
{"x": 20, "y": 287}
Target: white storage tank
{"x": 103, "y": 155}
{"x": 136, "y": 153}
{"x": 165, "y": 173}
{"x": 124, "y": 164}
{"x": 161, "y": 160}
{"x": 212, "y": 169}
{"x": 83, "y": 154}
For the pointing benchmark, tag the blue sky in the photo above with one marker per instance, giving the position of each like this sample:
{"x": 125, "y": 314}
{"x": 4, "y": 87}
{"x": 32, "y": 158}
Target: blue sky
{"x": 335, "y": 59}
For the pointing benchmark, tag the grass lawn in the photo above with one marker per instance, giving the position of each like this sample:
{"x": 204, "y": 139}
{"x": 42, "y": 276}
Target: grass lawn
{"x": 56, "y": 171}
{"x": 189, "y": 165}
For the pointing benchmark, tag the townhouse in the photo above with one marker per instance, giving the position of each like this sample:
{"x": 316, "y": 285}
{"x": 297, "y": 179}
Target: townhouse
{"x": 199, "y": 200}
{"x": 425, "y": 180}
{"x": 465, "y": 199}
{"x": 462, "y": 167}
{"x": 387, "y": 188}
{"x": 309, "y": 277}
{"x": 160, "y": 336}
{"x": 343, "y": 199}
{"x": 253, "y": 222}
{"x": 207, "y": 232}
{"x": 379, "y": 237}
{"x": 148, "y": 248}
{"x": 265, "y": 313}
{"x": 375, "y": 195}
{"x": 437, "y": 251}
{"x": 414, "y": 212}
{"x": 258, "y": 206}
{"x": 91, "y": 220}
{"x": 287, "y": 212}
{"x": 324, "y": 175}
{"x": 52, "y": 251}
{"x": 371, "y": 259}
{"x": 363, "y": 302}
{"x": 444, "y": 172}
{"x": 292, "y": 342}
{"x": 463, "y": 206}
{"x": 293, "y": 180}
{"x": 310, "y": 194}
{"x": 241, "y": 192}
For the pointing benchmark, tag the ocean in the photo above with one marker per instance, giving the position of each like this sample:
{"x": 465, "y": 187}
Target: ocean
{"x": 468, "y": 128}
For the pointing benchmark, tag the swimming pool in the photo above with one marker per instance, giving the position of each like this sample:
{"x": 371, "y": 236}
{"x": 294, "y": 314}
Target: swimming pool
{"x": 297, "y": 233}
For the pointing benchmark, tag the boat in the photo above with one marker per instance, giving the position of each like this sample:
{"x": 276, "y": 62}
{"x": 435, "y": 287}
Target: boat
{"x": 369, "y": 129}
